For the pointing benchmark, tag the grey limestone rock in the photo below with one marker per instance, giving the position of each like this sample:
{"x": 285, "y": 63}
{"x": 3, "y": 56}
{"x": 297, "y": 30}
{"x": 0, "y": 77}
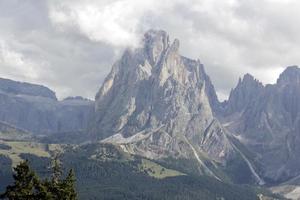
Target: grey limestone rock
{"x": 156, "y": 103}
{"x": 266, "y": 119}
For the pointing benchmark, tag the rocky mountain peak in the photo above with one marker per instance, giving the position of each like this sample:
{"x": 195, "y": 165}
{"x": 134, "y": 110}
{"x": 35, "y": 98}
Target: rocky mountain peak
{"x": 156, "y": 38}
{"x": 244, "y": 93}
{"x": 248, "y": 80}
{"x": 156, "y": 96}
{"x": 291, "y": 75}
{"x": 157, "y": 43}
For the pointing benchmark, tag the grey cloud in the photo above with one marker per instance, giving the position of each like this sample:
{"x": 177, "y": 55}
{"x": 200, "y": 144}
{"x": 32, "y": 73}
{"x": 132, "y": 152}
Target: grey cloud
{"x": 73, "y": 53}
{"x": 64, "y": 60}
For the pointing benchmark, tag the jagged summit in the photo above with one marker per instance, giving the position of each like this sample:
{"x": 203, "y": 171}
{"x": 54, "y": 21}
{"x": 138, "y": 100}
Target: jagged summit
{"x": 290, "y": 75}
{"x": 243, "y": 94}
{"x": 156, "y": 43}
{"x": 248, "y": 78}
{"x": 249, "y": 82}
{"x": 152, "y": 38}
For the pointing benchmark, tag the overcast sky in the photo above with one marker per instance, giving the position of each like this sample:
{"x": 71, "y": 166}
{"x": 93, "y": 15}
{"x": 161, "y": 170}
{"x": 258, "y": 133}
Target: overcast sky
{"x": 70, "y": 45}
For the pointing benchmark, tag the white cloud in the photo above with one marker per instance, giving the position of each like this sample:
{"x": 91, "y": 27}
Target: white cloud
{"x": 12, "y": 62}
{"x": 114, "y": 22}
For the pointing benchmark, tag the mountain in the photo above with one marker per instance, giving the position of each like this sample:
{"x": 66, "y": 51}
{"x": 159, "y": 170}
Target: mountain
{"x": 155, "y": 101}
{"x": 158, "y": 104}
{"x": 35, "y": 109}
{"x": 21, "y": 88}
{"x": 266, "y": 119}
{"x": 158, "y": 131}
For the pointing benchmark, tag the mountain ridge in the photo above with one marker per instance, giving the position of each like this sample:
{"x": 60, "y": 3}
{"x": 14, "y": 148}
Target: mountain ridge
{"x": 162, "y": 106}
{"x": 269, "y": 123}
{"x": 35, "y": 108}
{"x": 158, "y": 104}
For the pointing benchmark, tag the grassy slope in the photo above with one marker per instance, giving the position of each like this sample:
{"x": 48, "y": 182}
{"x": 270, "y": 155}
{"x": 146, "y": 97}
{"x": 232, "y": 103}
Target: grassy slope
{"x": 19, "y": 147}
{"x": 157, "y": 171}
{"x": 105, "y": 172}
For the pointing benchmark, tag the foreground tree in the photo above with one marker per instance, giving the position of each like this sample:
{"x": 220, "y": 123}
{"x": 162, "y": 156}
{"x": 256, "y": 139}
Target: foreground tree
{"x": 25, "y": 182}
{"x": 27, "y": 185}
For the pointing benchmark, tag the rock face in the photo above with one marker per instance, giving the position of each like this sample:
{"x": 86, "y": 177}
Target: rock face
{"x": 156, "y": 103}
{"x": 35, "y": 108}
{"x": 243, "y": 95}
{"x": 268, "y": 123}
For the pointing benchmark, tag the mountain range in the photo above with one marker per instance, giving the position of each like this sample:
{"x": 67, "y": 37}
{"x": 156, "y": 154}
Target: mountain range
{"x": 161, "y": 106}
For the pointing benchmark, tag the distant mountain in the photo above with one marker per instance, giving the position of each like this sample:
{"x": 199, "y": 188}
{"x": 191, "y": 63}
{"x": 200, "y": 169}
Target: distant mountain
{"x": 266, "y": 119}
{"x": 21, "y": 88}
{"x": 35, "y": 109}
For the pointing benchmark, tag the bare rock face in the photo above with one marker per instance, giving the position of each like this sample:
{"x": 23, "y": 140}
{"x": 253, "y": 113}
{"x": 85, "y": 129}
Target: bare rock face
{"x": 266, "y": 119}
{"x": 35, "y": 108}
{"x": 246, "y": 91}
{"x": 155, "y": 103}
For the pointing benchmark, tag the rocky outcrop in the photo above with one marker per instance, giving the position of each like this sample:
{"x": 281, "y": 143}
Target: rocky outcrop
{"x": 246, "y": 91}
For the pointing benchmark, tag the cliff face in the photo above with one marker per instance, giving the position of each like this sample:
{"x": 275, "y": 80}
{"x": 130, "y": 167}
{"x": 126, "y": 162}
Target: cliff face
{"x": 35, "y": 108}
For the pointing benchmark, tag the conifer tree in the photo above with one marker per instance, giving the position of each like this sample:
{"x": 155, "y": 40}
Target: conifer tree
{"x": 27, "y": 185}
{"x": 25, "y": 182}
{"x": 69, "y": 186}
{"x": 61, "y": 188}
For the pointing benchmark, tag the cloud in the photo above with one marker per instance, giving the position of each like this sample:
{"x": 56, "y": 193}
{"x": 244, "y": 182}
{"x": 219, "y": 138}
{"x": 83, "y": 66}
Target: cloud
{"x": 14, "y": 61}
{"x": 70, "y": 45}
{"x": 115, "y": 22}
